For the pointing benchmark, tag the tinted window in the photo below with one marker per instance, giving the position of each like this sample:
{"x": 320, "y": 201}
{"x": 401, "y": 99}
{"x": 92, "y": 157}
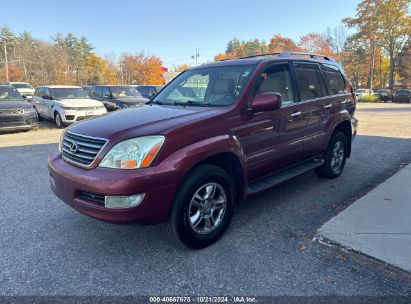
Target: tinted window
{"x": 143, "y": 90}
{"x": 7, "y": 93}
{"x": 39, "y": 92}
{"x": 276, "y": 78}
{"x": 308, "y": 81}
{"x": 123, "y": 91}
{"x": 22, "y": 86}
{"x": 333, "y": 79}
{"x": 105, "y": 92}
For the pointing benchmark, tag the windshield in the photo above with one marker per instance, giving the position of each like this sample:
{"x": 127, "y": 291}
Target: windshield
{"x": 124, "y": 91}
{"x": 68, "y": 93}
{"x": 22, "y": 85}
{"x": 9, "y": 94}
{"x": 218, "y": 86}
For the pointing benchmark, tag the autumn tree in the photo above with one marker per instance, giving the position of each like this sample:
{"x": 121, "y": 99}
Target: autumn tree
{"x": 279, "y": 43}
{"x": 315, "y": 43}
{"x": 141, "y": 69}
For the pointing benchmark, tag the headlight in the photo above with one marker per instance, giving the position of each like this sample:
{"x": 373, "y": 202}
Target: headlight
{"x": 133, "y": 153}
{"x": 61, "y": 141}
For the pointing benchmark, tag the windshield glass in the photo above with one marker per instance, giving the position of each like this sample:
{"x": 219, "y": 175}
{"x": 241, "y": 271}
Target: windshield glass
{"x": 68, "y": 93}
{"x": 124, "y": 91}
{"x": 9, "y": 94}
{"x": 218, "y": 86}
{"x": 22, "y": 86}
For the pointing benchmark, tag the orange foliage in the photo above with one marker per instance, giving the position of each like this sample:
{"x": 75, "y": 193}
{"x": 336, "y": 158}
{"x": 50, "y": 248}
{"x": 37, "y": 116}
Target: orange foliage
{"x": 315, "y": 43}
{"x": 280, "y": 43}
{"x": 222, "y": 56}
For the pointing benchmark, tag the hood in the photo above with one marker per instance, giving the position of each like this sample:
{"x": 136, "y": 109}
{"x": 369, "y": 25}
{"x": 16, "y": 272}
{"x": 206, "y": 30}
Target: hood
{"x": 131, "y": 100}
{"x": 25, "y": 90}
{"x": 145, "y": 120}
{"x": 86, "y": 102}
{"x": 15, "y": 104}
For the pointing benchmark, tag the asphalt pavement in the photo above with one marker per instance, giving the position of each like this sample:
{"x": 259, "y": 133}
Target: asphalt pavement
{"x": 47, "y": 248}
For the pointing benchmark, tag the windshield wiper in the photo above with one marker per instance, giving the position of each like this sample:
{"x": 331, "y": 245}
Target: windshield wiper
{"x": 191, "y": 103}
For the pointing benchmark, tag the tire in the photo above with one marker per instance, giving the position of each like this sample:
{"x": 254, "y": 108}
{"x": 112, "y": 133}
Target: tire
{"x": 58, "y": 121}
{"x": 39, "y": 117}
{"x": 193, "y": 212}
{"x": 335, "y": 157}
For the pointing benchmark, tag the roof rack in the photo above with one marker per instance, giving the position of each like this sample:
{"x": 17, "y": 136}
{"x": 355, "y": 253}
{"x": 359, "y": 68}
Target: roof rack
{"x": 288, "y": 54}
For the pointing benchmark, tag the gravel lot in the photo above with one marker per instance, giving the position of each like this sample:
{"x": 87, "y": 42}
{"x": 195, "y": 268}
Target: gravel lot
{"x": 49, "y": 249}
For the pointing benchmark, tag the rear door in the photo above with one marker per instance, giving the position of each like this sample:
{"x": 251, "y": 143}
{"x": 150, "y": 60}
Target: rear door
{"x": 315, "y": 101}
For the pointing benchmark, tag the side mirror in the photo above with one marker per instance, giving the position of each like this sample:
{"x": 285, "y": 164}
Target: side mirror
{"x": 45, "y": 97}
{"x": 24, "y": 96}
{"x": 267, "y": 101}
{"x": 107, "y": 96}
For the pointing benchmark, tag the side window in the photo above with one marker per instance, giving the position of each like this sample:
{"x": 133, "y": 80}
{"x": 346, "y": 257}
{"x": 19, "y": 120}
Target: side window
{"x": 308, "y": 81}
{"x": 333, "y": 79}
{"x": 276, "y": 78}
{"x": 105, "y": 92}
{"x": 143, "y": 90}
{"x": 38, "y": 92}
{"x": 46, "y": 92}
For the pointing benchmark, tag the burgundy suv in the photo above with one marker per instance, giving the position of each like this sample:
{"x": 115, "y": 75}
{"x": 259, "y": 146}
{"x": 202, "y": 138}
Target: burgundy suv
{"x": 214, "y": 135}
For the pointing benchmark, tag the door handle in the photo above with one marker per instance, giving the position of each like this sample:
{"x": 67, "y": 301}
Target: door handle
{"x": 295, "y": 114}
{"x": 345, "y": 101}
{"x": 328, "y": 106}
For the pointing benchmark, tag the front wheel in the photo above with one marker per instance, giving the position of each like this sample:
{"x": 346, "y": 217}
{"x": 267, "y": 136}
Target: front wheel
{"x": 335, "y": 157}
{"x": 58, "y": 121}
{"x": 203, "y": 207}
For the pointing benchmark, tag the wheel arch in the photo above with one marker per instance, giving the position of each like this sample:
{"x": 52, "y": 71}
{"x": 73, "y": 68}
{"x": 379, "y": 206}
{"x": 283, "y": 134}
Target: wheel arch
{"x": 344, "y": 127}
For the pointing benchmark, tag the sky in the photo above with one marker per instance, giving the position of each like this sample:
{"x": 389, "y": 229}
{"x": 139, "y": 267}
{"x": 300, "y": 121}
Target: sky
{"x": 173, "y": 30}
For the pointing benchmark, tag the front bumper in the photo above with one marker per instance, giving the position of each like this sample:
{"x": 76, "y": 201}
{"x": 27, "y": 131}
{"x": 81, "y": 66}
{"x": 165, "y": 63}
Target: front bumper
{"x": 159, "y": 185}
{"x": 72, "y": 116}
{"x": 18, "y": 122}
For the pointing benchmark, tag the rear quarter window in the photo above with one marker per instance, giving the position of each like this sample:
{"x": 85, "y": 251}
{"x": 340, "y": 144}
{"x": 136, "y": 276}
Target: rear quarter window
{"x": 334, "y": 80}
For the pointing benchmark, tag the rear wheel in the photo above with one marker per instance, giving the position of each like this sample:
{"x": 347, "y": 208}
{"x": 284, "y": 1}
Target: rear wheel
{"x": 203, "y": 207}
{"x": 335, "y": 157}
{"x": 58, "y": 121}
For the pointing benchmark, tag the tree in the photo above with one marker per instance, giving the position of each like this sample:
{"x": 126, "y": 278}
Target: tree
{"x": 315, "y": 43}
{"x": 394, "y": 28}
{"x": 280, "y": 43}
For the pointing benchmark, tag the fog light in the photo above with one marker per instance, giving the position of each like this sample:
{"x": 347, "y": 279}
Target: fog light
{"x": 119, "y": 202}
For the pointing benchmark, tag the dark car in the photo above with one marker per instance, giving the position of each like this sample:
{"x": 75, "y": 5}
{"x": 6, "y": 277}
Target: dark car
{"x": 188, "y": 160}
{"x": 16, "y": 114}
{"x": 117, "y": 97}
{"x": 402, "y": 95}
{"x": 148, "y": 91}
{"x": 384, "y": 95}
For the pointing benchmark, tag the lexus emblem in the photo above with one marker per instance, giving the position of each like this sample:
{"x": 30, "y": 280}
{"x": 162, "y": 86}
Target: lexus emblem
{"x": 73, "y": 147}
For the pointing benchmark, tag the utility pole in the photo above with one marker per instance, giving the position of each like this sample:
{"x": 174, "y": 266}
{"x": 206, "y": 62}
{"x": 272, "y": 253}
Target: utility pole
{"x": 196, "y": 56}
{"x": 5, "y": 59}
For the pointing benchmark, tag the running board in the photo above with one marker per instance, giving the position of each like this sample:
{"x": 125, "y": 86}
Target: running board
{"x": 284, "y": 175}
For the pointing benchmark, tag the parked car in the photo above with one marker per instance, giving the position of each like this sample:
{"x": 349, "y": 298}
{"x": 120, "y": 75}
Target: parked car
{"x": 148, "y": 91}
{"x": 24, "y": 88}
{"x": 16, "y": 114}
{"x": 188, "y": 160}
{"x": 384, "y": 95}
{"x": 361, "y": 93}
{"x": 117, "y": 97}
{"x": 402, "y": 95}
{"x": 65, "y": 104}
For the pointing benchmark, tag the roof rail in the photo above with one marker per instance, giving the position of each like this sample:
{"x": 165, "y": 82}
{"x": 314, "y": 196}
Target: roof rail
{"x": 311, "y": 55}
{"x": 288, "y": 54}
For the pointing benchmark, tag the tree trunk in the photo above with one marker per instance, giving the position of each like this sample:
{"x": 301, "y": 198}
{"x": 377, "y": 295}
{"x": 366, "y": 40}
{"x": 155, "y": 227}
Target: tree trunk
{"x": 392, "y": 66}
{"x": 372, "y": 66}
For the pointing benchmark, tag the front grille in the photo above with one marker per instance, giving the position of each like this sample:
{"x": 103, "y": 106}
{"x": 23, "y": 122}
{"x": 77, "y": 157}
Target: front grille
{"x": 85, "y": 108}
{"x": 81, "y": 149}
{"x": 11, "y": 111}
{"x": 92, "y": 197}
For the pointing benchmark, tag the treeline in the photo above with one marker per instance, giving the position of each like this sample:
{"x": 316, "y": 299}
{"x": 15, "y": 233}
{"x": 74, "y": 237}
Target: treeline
{"x": 68, "y": 59}
{"x": 376, "y": 54}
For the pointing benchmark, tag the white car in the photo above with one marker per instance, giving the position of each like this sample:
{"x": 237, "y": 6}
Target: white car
{"x": 24, "y": 88}
{"x": 65, "y": 104}
{"x": 363, "y": 93}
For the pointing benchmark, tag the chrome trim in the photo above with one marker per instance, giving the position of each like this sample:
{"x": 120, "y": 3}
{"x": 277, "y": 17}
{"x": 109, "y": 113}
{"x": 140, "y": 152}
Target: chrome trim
{"x": 85, "y": 136}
